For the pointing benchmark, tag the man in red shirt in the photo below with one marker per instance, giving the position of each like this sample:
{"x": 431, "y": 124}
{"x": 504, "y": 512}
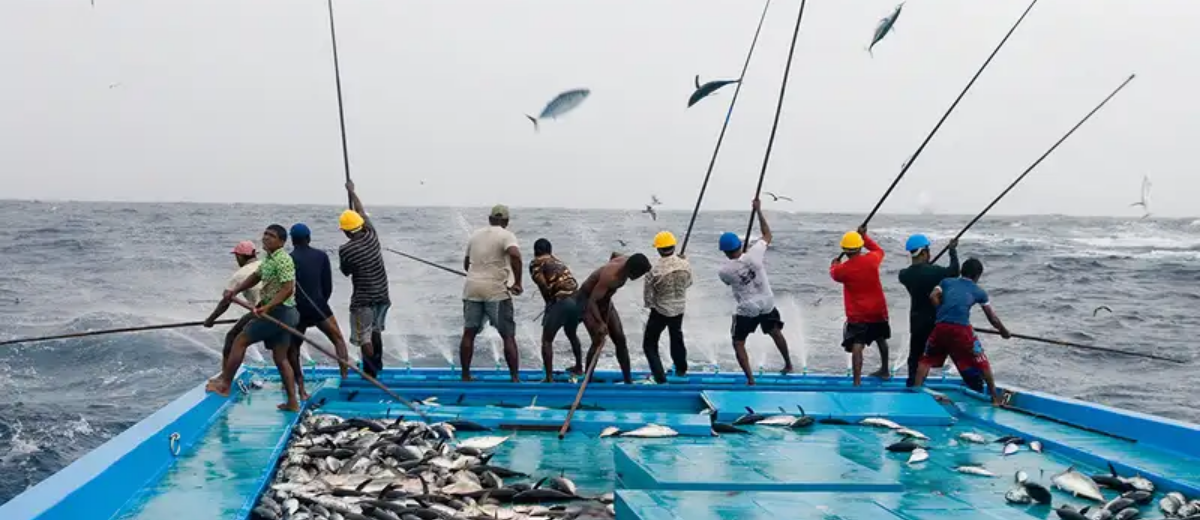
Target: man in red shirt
{"x": 866, "y": 307}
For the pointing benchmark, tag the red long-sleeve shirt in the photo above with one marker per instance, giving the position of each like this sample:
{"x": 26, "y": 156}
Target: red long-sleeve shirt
{"x": 862, "y": 290}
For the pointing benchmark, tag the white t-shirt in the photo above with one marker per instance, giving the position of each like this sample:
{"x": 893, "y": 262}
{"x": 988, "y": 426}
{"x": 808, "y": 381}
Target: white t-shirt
{"x": 747, "y": 276}
{"x": 487, "y": 279}
{"x": 252, "y": 294}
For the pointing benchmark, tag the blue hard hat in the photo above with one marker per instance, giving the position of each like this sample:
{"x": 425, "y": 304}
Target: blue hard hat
{"x": 300, "y": 231}
{"x": 916, "y": 243}
{"x": 730, "y": 242}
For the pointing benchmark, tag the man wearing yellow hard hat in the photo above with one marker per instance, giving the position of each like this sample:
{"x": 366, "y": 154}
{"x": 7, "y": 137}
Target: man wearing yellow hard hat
{"x": 866, "y": 307}
{"x": 493, "y": 257}
{"x": 665, "y": 294}
{"x": 361, "y": 258}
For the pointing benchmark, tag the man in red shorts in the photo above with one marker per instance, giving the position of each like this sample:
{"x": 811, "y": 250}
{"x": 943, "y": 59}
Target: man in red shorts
{"x": 953, "y": 336}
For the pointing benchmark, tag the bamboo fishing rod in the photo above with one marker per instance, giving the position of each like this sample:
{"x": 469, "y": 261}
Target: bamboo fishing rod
{"x": 116, "y": 331}
{"x": 1085, "y": 347}
{"x": 787, "y": 68}
{"x": 908, "y": 164}
{"x": 337, "y": 76}
{"x": 712, "y": 162}
{"x": 1035, "y": 164}
{"x": 344, "y": 362}
{"x": 426, "y": 262}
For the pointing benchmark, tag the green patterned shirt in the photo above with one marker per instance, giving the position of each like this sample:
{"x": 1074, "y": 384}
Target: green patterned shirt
{"x": 275, "y": 270}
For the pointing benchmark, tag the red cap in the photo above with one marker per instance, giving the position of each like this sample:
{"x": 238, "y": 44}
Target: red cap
{"x": 244, "y": 248}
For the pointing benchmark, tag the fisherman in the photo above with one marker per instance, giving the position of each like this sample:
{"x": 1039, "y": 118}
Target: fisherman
{"x": 314, "y": 283}
{"x": 746, "y": 275}
{"x": 866, "y": 307}
{"x": 361, "y": 258}
{"x": 492, "y": 257}
{"x": 920, "y": 279}
{"x": 600, "y": 315}
{"x": 665, "y": 294}
{"x": 245, "y": 256}
{"x": 953, "y": 335}
{"x": 277, "y": 273}
{"x": 556, "y": 283}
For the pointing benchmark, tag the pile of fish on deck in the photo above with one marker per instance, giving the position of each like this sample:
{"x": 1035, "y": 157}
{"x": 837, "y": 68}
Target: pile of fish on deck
{"x": 356, "y": 469}
{"x": 1134, "y": 491}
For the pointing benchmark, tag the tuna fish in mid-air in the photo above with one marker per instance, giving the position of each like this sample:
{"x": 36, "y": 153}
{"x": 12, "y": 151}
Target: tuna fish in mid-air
{"x": 885, "y": 26}
{"x": 703, "y": 91}
{"x": 1077, "y": 484}
{"x": 561, "y": 104}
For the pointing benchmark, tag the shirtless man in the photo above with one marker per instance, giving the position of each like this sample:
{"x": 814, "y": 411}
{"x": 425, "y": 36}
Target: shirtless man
{"x": 600, "y": 316}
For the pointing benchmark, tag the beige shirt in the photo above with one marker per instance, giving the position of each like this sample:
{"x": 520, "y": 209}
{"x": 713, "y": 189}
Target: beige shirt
{"x": 667, "y": 285}
{"x": 251, "y": 295}
{"x": 489, "y": 274}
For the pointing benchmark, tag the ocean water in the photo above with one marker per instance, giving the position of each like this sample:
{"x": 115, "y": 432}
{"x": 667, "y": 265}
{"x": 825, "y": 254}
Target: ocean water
{"x": 69, "y": 267}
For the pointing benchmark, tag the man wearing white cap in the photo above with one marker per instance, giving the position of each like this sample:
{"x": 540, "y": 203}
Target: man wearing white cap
{"x": 492, "y": 257}
{"x": 247, "y": 262}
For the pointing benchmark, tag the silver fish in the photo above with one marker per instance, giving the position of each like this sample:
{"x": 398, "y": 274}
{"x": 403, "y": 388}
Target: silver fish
{"x": 1035, "y": 446}
{"x": 561, "y": 104}
{"x": 1171, "y": 503}
{"x": 918, "y": 455}
{"x": 1021, "y": 477}
{"x": 1018, "y": 495}
{"x": 483, "y": 443}
{"x": 884, "y": 27}
{"x": 1077, "y": 484}
{"x": 908, "y": 432}
{"x": 972, "y": 437}
{"x": 1010, "y": 449}
{"x": 777, "y": 420}
{"x": 703, "y": 91}
{"x": 880, "y": 422}
{"x": 609, "y": 431}
{"x": 651, "y": 431}
{"x": 975, "y": 470}
{"x": 291, "y": 505}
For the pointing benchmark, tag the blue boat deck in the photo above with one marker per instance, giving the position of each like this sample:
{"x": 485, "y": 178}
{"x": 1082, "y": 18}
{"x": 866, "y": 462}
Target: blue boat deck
{"x": 230, "y": 447}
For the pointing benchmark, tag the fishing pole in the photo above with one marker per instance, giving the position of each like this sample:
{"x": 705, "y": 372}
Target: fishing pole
{"x": 1035, "y": 164}
{"x": 908, "y": 164}
{"x": 116, "y": 331}
{"x": 327, "y": 352}
{"x": 1085, "y": 347}
{"x": 337, "y": 76}
{"x": 587, "y": 378}
{"x": 426, "y": 262}
{"x": 724, "y": 126}
{"x": 775, "y": 125}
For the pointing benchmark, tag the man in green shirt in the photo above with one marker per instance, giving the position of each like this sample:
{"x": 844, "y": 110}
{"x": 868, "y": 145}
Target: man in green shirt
{"x": 278, "y": 276}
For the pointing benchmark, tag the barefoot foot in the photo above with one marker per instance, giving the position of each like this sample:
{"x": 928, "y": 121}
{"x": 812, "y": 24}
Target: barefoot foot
{"x": 289, "y": 407}
{"x": 882, "y": 373}
{"x": 218, "y": 387}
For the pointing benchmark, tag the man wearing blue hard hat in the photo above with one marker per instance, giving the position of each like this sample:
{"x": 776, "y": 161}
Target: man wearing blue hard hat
{"x": 314, "y": 286}
{"x": 746, "y": 275}
{"x": 920, "y": 279}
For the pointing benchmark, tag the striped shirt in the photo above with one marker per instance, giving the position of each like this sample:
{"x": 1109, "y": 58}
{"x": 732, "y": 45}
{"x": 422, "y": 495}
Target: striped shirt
{"x": 362, "y": 260}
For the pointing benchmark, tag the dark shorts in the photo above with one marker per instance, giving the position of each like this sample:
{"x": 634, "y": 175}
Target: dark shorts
{"x": 498, "y": 313}
{"x": 864, "y": 333}
{"x": 270, "y": 334}
{"x": 365, "y": 321}
{"x": 743, "y": 326}
{"x": 566, "y": 313}
{"x": 958, "y": 342}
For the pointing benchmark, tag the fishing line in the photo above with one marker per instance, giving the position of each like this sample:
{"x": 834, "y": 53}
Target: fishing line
{"x": 426, "y": 262}
{"x": 775, "y": 125}
{"x": 1035, "y": 164}
{"x": 724, "y": 126}
{"x": 115, "y": 331}
{"x": 908, "y": 164}
{"x": 1085, "y": 347}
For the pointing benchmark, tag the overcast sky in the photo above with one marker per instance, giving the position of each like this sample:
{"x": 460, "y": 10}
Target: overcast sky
{"x": 222, "y": 100}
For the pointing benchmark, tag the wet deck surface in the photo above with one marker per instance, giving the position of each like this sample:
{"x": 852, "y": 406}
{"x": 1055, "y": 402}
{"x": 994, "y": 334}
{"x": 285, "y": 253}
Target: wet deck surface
{"x": 913, "y": 409}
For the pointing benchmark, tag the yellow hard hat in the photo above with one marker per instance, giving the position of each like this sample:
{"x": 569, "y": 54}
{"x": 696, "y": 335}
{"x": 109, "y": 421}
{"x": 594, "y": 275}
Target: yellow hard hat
{"x": 664, "y": 239}
{"x": 350, "y": 221}
{"x": 852, "y": 240}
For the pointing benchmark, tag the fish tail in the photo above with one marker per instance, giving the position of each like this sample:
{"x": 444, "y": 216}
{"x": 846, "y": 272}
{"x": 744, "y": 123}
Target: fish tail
{"x": 534, "y": 121}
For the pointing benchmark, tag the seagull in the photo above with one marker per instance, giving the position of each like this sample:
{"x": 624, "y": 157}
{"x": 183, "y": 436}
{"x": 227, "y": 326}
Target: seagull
{"x": 114, "y": 85}
{"x": 654, "y": 201}
{"x": 1100, "y": 308}
{"x": 650, "y": 209}
{"x": 777, "y": 198}
{"x": 622, "y": 242}
{"x": 1145, "y": 201}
